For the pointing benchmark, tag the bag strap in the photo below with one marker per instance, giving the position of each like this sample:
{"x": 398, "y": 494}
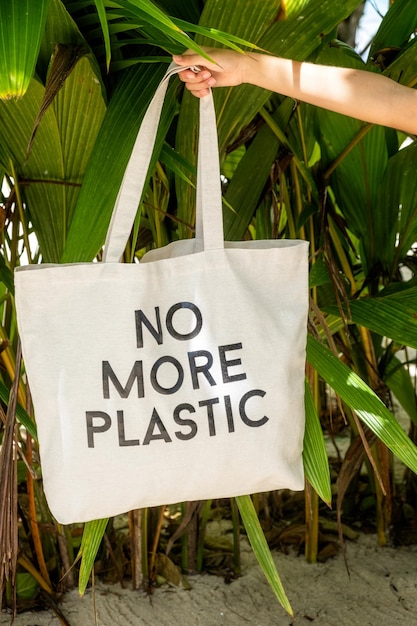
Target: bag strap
{"x": 209, "y": 220}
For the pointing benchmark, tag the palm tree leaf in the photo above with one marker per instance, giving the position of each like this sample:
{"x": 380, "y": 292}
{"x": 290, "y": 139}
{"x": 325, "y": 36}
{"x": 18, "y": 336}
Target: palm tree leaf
{"x": 79, "y": 108}
{"x": 90, "y": 543}
{"x": 46, "y": 199}
{"x": 21, "y": 28}
{"x": 101, "y": 10}
{"x": 293, "y": 38}
{"x": 398, "y": 199}
{"x": 316, "y": 465}
{"x": 6, "y": 275}
{"x": 261, "y": 549}
{"x": 174, "y": 162}
{"x": 361, "y": 399}
{"x": 151, "y": 15}
{"x": 258, "y": 157}
{"x": 226, "y": 39}
{"x": 396, "y": 28}
{"x": 397, "y": 377}
{"x": 106, "y": 167}
{"x": 361, "y": 160}
{"x": 22, "y": 416}
{"x": 63, "y": 62}
{"x": 152, "y": 12}
{"x": 59, "y": 28}
{"x": 403, "y": 69}
{"x": 52, "y": 173}
{"x": 387, "y": 316}
{"x": 184, "y": 9}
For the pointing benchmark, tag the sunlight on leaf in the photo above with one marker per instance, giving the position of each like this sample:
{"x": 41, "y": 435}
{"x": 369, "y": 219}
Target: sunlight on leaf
{"x": 261, "y": 549}
{"x": 90, "y": 543}
{"x": 21, "y": 29}
{"x": 316, "y": 465}
{"x": 361, "y": 399}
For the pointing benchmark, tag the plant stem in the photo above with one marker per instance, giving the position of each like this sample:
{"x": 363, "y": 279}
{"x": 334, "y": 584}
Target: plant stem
{"x": 312, "y": 524}
{"x": 237, "y": 566}
{"x": 135, "y": 527}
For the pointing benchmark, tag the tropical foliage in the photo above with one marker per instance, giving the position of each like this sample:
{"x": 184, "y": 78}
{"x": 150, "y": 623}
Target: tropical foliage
{"x": 75, "y": 80}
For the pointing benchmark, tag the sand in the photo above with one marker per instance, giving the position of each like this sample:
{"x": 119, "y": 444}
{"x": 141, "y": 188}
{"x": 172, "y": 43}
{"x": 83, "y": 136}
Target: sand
{"x": 381, "y": 590}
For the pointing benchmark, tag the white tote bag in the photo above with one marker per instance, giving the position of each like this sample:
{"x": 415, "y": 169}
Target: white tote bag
{"x": 178, "y": 378}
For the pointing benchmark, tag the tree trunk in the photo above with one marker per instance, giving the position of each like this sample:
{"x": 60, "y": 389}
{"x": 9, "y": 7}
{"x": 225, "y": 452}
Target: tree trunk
{"x": 347, "y": 29}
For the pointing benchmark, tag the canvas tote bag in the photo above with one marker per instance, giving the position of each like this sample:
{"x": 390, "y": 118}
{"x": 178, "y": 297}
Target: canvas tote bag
{"x": 178, "y": 378}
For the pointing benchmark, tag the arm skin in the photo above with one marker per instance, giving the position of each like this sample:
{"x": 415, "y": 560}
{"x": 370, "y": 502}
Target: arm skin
{"x": 367, "y": 96}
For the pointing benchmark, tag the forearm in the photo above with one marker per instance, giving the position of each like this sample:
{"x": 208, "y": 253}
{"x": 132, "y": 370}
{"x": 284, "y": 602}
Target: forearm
{"x": 365, "y": 95}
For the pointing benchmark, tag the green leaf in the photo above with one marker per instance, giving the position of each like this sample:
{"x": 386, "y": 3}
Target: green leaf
{"x": 6, "y": 275}
{"x": 398, "y": 199}
{"x": 316, "y": 466}
{"x": 291, "y": 38}
{"x": 356, "y": 152}
{"x": 260, "y": 547}
{"x": 101, "y": 10}
{"x": 111, "y": 154}
{"x": 232, "y": 161}
{"x": 21, "y": 29}
{"x": 397, "y": 377}
{"x": 90, "y": 543}
{"x": 403, "y": 69}
{"x": 80, "y": 107}
{"x": 397, "y": 26}
{"x": 59, "y": 27}
{"x": 153, "y": 12}
{"x": 237, "y": 106}
{"x": 227, "y": 39}
{"x": 27, "y": 586}
{"x": 292, "y": 7}
{"x": 258, "y": 157}
{"x": 151, "y": 15}
{"x": 54, "y": 169}
{"x": 361, "y": 399}
{"x": 22, "y": 416}
{"x": 389, "y": 317}
{"x": 184, "y": 9}
{"x": 179, "y": 166}
{"x": 46, "y": 200}
{"x": 319, "y": 273}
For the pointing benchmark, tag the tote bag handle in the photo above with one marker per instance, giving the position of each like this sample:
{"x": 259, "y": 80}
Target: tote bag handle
{"x": 209, "y": 220}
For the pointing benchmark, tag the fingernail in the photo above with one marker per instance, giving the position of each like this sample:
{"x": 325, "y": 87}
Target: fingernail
{"x": 211, "y": 82}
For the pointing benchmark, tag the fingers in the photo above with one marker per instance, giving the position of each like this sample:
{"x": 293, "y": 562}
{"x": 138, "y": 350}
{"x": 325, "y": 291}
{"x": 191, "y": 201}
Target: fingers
{"x": 199, "y": 88}
{"x": 225, "y": 69}
{"x": 198, "y": 83}
{"x": 202, "y": 80}
{"x": 186, "y": 59}
{"x": 189, "y": 58}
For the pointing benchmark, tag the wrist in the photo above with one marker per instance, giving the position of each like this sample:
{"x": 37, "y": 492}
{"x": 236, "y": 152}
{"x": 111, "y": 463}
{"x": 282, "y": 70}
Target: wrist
{"x": 251, "y": 62}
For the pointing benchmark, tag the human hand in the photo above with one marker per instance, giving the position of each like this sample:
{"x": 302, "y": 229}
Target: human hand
{"x": 226, "y": 70}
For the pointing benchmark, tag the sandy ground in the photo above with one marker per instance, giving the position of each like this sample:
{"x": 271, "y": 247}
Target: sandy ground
{"x": 380, "y": 591}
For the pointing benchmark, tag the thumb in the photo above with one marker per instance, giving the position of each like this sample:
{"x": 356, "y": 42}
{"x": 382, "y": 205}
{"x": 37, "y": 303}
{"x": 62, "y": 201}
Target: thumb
{"x": 189, "y": 58}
